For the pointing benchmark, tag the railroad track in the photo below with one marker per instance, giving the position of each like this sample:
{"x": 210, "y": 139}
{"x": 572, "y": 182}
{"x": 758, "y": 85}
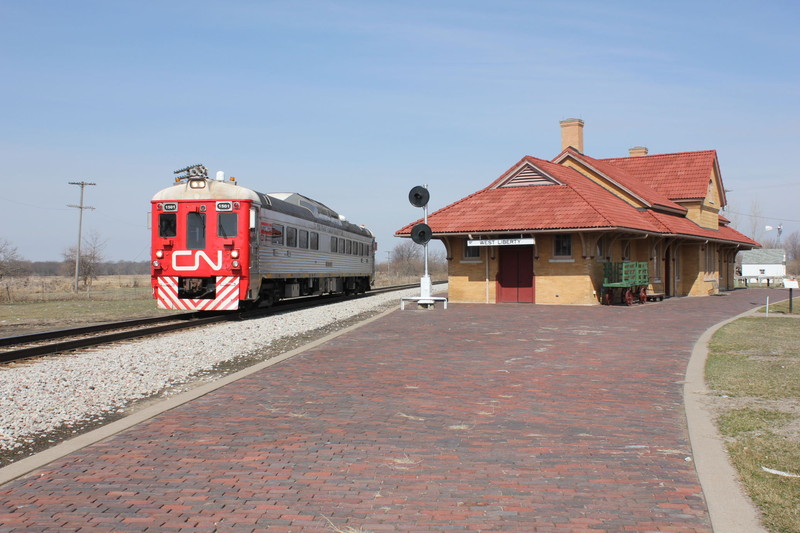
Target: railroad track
{"x": 52, "y": 342}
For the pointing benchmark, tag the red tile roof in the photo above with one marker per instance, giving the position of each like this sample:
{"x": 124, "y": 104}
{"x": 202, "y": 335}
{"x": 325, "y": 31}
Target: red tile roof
{"x": 679, "y": 176}
{"x": 575, "y": 202}
{"x": 626, "y": 180}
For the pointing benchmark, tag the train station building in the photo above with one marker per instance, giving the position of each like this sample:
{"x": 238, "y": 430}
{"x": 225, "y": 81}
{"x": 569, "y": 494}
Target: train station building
{"x": 543, "y": 231}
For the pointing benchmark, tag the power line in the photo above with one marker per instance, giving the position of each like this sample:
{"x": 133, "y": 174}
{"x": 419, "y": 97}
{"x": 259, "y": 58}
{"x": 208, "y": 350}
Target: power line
{"x": 782, "y": 219}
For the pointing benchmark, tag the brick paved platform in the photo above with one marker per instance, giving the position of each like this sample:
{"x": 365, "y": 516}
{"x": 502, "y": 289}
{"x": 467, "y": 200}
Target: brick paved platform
{"x": 475, "y": 418}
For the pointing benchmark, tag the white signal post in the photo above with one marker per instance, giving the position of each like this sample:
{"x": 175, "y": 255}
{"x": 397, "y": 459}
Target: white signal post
{"x": 425, "y": 282}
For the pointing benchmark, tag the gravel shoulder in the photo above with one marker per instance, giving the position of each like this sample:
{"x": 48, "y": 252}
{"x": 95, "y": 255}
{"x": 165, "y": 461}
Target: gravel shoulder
{"x": 47, "y": 401}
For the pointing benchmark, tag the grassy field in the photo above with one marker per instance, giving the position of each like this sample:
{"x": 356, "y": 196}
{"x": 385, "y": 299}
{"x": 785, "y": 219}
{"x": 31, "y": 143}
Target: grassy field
{"x": 42, "y": 304}
{"x": 754, "y": 369}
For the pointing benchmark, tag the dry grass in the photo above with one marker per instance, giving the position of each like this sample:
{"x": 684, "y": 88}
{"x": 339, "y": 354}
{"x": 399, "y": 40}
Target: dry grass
{"x": 754, "y": 368}
{"x": 56, "y": 288}
{"x": 46, "y": 303}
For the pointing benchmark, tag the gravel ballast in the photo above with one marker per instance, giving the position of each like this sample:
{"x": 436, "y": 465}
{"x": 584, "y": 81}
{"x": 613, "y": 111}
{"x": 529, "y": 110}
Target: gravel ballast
{"x": 48, "y": 400}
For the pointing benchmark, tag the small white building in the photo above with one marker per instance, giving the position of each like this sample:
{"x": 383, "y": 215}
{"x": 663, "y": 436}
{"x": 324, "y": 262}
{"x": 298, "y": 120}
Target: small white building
{"x": 763, "y": 265}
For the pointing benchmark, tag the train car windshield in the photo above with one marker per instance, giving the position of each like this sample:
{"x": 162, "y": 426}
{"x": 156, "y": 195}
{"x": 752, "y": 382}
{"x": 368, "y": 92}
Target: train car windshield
{"x": 167, "y": 225}
{"x": 195, "y": 231}
{"x": 227, "y": 224}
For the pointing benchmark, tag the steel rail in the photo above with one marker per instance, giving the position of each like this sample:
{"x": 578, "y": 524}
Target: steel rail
{"x": 175, "y": 323}
{"x": 86, "y": 330}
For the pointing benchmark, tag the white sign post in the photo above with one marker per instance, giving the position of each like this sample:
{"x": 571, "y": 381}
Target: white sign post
{"x": 790, "y": 283}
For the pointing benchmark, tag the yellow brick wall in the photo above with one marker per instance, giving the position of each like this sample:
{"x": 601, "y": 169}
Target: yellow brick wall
{"x": 467, "y": 277}
{"x": 578, "y": 281}
{"x": 564, "y": 282}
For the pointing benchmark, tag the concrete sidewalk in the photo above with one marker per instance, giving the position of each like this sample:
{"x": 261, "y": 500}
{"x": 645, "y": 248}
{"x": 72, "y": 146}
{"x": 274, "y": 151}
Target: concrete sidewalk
{"x": 475, "y": 418}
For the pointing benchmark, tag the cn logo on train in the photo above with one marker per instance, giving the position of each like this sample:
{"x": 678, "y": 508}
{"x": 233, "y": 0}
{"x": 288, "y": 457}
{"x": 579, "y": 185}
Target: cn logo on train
{"x": 195, "y": 266}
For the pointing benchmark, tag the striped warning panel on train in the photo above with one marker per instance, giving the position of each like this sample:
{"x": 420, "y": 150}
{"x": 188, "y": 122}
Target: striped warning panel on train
{"x": 224, "y": 298}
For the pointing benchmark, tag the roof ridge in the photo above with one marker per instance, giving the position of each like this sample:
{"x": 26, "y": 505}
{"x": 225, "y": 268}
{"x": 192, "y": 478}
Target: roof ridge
{"x": 589, "y": 203}
{"x": 650, "y": 195}
{"x": 649, "y": 156}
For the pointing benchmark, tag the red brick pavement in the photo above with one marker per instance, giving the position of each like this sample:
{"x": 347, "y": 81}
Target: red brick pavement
{"x": 477, "y": 418}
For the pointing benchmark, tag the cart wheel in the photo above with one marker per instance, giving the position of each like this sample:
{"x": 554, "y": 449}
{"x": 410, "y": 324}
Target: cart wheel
{"x": 629, "y": 297}
{"x": 607, "y": 297}
{"x": 643, "y": 295}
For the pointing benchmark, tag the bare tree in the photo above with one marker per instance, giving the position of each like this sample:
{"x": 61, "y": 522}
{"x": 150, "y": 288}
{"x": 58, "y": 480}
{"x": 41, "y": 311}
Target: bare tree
{"x": 407, "y": 258}
{"x": 91, "y": 258}
{"x": 792, "y": 246}
{"x": 10, "y": 260}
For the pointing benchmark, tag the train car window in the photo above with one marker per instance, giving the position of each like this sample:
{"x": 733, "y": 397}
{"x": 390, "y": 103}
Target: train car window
{"x": 314, "y": 240}
{"x": 195, "y": 230}
{"x": 302, "y": 242}
{"x": 168, "y": 225}
{"x": 277, "y": 234}
{"x": 333, "y": 244}
{"x": 291, "y": 237}
{"x": 227, "y": 224}
{"x": 341, "y": 246}
{"x": 361, "y": 248}
{"x": 348, "y": 247}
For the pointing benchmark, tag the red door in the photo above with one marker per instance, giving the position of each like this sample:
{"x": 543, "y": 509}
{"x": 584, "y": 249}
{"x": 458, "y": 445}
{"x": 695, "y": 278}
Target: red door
{"x": 515, "y": 278}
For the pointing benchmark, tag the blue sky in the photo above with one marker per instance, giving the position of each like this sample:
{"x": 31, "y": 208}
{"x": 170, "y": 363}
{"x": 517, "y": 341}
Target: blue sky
{"x": 354, "y": 102}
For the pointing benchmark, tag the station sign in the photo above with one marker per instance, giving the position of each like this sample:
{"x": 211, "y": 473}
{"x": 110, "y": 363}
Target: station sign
{"x": 790, "y": 283}
{"x": 501, "y": 242}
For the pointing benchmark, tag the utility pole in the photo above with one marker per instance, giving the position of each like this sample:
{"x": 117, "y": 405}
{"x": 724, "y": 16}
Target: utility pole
{"x": 81, "y": 207}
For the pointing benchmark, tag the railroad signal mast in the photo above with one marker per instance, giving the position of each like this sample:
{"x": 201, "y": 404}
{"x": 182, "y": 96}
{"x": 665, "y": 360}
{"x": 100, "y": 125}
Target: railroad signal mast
{"x": 421, "y": 234}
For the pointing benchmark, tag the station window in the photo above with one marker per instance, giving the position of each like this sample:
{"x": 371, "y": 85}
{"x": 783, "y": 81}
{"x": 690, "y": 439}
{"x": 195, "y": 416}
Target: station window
{"x": 655, "y": 253}
{"x": 195, "y": 230}
{"x": 562, "y": 246}
{"x": 710, "y": 260}
{"x": 471, "y": 252}
{"x": 303, "y": 242}
{"x": 600, "y": 253}
{"x": 291, "y": 237}
{"x": 277, "y": 234}
{"x": 227, "y": 224}
{"x": 167, "y": 225}
{"x": 314, "y": 240}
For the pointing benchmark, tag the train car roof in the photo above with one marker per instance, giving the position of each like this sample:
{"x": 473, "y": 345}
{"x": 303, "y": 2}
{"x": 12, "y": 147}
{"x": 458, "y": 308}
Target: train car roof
{"x": 212, "y": 190}
{"x": 292, "y": 204}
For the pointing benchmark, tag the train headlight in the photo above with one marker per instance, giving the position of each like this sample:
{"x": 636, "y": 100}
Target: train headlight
{"x": 160, "y": 254}
{"x": 235, "y": 264}
{"x": 157, "y": 263}
{"x": 235, "y": 254}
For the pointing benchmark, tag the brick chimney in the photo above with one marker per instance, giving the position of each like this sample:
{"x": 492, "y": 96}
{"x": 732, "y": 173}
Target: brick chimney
{"x": 572, "y": 134}
{"x": 637, "y": 151}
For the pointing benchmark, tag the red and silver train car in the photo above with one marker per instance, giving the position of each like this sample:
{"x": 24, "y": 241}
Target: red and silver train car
{"x": 219, "y": 246}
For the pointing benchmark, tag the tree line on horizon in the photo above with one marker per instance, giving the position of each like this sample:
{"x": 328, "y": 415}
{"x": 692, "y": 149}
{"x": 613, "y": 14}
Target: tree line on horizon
{"x": 405, "y": 259}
